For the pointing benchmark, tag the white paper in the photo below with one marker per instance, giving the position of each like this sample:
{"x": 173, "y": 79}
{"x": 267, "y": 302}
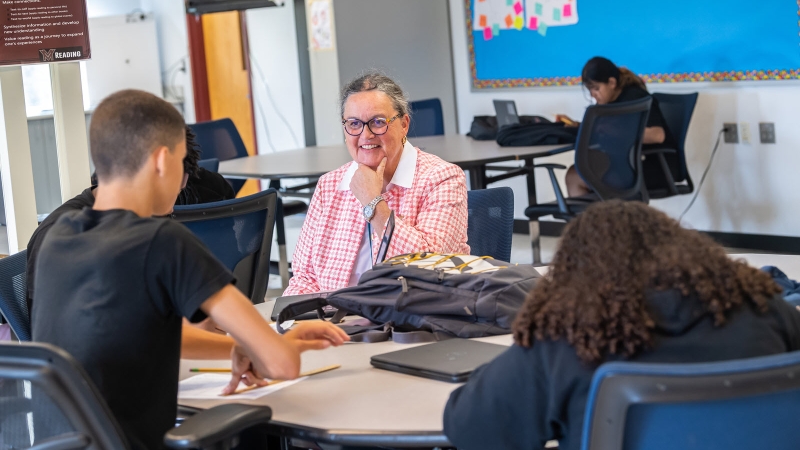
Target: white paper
{"x": 321, "y": 29}
{"x": 208, "y": 386}
{"x": 285, "y": 325}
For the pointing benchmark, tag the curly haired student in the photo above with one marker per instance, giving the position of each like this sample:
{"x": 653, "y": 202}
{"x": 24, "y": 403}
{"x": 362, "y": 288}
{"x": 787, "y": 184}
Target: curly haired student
{"x": 627, "y": 283}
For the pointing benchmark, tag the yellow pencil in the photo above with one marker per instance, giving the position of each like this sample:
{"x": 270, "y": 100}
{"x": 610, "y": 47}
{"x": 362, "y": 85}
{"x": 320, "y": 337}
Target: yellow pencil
{"x": 274, "y": 382}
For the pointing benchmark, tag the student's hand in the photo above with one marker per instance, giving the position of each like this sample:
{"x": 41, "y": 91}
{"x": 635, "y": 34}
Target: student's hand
{"x": 242, "y": 371}
{"x": 316, "y": 336}
{"x": 367, "y": 183}
{"x": 567, "y": 121}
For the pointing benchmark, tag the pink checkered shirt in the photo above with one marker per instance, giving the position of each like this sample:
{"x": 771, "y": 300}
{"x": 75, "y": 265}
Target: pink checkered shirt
{"x": 430, "y": 215}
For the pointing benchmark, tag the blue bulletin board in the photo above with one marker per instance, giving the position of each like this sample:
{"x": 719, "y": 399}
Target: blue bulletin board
{"x": 524, "y": 43}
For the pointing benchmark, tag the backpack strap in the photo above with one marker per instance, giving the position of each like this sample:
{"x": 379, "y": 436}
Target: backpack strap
{"x": 300, "y": 308}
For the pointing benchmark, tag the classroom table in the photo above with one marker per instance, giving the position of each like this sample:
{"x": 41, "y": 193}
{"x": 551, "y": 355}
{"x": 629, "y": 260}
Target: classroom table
{"x": 473, "y": 156}
{"x": 355, "y": 404}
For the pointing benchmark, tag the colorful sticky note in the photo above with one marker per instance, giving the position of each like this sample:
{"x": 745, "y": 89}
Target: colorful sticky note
{"x": 567, "y": 10}
{"x": 539, "y": 9}
{"x": 481, "y": 1}
{"x": 534, "y": 23}
{"x": 543, "y": 29}
{"x": 519, "y": 22}
{"x": 482, "y": 21}
{"x": 509, "y": 21}
{"x": 557, "y": 14}
{"x": 509, "y": 2}
{"x": 496, "y": 29}
{"x": 518, "y": 8}
{"x": 487, "y": 34}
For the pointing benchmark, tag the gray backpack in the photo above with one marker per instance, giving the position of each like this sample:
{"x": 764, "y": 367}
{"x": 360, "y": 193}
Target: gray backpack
{"x": 424, "y": 297}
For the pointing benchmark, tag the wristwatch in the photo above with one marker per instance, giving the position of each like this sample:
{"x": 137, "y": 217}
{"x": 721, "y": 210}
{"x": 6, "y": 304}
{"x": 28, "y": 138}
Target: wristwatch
{"x": 369, "y": 210}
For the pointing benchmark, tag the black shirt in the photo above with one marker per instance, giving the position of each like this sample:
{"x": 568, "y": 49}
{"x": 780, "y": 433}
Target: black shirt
{"x": 527, "y": 396}
{"x": 116, "y": 288}
{"x": 207, "y": 187}
{"x": 654, "y": 119}
{"x": 83, "y": 200}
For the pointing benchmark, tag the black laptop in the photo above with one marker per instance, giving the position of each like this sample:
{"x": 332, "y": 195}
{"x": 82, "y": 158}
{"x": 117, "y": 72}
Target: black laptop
{"x": 452, "y": 360}
{"x": 506, "y": 111}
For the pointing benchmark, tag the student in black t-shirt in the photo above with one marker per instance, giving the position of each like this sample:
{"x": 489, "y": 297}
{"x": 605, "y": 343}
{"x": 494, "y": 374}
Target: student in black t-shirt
{"x": 199, "y": 186}
{"x": 608, "y": 83}
{"x": 119, "y": 280}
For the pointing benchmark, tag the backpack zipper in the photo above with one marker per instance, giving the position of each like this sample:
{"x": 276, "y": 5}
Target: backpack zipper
{"x": 402, "y": 281}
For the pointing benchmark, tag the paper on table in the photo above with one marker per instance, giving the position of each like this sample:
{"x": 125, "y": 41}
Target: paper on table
{"x": 208, "y": 386}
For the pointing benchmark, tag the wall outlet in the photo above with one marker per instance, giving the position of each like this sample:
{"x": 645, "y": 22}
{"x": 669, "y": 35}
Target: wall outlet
{"x": 744, "y": 132}
{"x": 766, "y": 130}
{"x": 731, "y": 133}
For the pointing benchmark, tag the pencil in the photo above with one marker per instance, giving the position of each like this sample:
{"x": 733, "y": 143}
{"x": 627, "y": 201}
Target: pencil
{"x": 274, "y": 382}
{"x": 210, "y": 369}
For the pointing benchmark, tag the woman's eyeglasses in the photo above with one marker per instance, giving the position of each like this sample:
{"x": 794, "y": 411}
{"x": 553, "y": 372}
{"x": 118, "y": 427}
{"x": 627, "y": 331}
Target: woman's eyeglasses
{"x": 377, "y": 125}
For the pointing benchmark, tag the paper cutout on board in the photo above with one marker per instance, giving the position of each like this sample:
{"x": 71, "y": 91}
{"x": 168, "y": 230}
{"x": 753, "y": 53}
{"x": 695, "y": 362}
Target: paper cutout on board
{"x": 499, "y": 14}
{"x": 496, "y": 15}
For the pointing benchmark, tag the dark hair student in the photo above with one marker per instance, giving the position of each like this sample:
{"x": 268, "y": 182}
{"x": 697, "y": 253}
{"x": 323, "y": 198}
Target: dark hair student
{"x": 607, "y": 83}
{"x": 627, "y": 283}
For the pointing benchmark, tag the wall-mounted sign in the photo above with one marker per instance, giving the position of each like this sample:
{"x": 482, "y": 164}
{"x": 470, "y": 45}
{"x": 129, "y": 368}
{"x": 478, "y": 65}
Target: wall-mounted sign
{"x": 37, "y": 31}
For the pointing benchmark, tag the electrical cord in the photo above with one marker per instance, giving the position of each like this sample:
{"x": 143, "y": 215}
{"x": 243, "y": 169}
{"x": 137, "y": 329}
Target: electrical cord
{"x": 263, "y": 81}
{"x": 705, "y": 172}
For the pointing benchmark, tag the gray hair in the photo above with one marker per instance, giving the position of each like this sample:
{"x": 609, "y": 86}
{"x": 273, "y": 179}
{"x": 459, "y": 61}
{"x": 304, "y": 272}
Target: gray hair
{"x": 374, "y": 80}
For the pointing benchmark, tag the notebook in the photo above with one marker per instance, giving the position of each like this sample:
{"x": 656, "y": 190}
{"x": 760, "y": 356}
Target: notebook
{"x": 452, "y": 360}
{"x": 506, "y": 111}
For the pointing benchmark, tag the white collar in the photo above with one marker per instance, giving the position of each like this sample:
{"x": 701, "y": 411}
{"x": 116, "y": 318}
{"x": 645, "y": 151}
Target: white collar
{"x": 403, "y": 176}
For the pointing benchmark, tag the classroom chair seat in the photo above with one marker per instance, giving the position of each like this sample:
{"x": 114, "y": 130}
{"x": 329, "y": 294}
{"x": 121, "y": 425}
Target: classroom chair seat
{"x": 13, "y": 294}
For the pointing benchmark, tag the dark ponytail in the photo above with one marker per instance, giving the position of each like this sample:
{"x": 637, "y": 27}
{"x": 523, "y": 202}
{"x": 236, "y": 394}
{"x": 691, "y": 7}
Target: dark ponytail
{"x": 600, "y": 70}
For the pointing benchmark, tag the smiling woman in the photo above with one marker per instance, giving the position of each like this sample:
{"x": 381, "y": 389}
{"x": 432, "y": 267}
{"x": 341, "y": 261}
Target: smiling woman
{"x": 352, "y": 204}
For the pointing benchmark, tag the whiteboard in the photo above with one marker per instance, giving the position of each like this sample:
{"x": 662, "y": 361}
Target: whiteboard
{"x": 521, "y": 43}
{"x": 124, "y": 56}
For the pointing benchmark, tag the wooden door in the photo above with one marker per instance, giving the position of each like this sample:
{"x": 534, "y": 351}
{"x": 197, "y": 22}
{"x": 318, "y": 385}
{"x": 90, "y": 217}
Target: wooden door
{"x": 227, "y": 68}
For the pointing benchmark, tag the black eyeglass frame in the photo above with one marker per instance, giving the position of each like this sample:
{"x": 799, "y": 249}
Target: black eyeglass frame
{"x": 388, "y": 122}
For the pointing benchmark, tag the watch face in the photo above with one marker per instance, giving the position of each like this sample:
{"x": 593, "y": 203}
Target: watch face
{"x": 369, "y": 211}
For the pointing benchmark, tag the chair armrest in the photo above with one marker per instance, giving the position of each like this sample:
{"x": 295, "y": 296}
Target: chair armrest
{"x": 213, "y": 426}
{"x": 656, "y": 151}
{"x": 549, "y": 166}
{"x": 660, "y": 152}
{"x": 564, "y": 149}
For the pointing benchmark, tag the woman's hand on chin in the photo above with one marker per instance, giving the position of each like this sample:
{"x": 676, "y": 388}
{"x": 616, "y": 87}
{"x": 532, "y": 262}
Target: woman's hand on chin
{"x": 367, "y": 183}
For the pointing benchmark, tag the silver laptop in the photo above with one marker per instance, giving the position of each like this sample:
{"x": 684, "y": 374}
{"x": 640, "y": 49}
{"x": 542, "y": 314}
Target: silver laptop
{"x": 452, "y": 360}
{"x": 506, "y": 111}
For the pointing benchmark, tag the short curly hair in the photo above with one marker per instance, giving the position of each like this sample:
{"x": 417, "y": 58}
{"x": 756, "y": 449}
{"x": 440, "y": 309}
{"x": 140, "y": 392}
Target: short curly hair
{"x": 609, "y": 258}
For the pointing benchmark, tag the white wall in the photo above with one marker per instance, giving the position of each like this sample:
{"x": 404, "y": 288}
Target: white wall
{"x": 277, "y": 99}
{"x": 749, "y": 188}
{"x": 99, "y": 8}
{"x": 173, "y": 44}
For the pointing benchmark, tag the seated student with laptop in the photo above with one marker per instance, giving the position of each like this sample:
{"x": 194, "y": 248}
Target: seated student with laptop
{"x": 119, "y": 280}
{"x": 627, "y": 283}
{"x": 199, "y": 186}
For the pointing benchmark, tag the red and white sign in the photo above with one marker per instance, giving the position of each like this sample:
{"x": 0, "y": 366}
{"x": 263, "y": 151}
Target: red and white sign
{"x": 35, "y": 31}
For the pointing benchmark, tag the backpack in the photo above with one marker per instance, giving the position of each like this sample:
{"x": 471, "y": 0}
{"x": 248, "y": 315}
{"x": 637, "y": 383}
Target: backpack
{"x": 542, "y": 133}
{"x": 423, "y": 297}
{"x": 484, "y": 128}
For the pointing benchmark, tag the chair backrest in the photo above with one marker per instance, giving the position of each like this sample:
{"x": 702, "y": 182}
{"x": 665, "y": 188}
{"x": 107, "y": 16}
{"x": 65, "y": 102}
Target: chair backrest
{"x": 677, "y": 110}
{"x": 47, "y": 398}
{"x": 738, "y": 404}
{"x": 13, "y": 300}
{"x": 239, "y": 233}
{"x": 491, "y": 222}
{"x": 609, "y": 147}
{"x": 211, "y": 164}
{"x": 221, "y": 140}
{"x": 427, "y": 118}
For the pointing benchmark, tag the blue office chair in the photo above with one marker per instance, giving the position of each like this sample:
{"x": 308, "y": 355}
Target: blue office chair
{"x": 427, "y": 118}
{"x": 677, "y": 110}
{"x": 607, "y": 157}
{"x": 739, "y": 404}
{"x": 491, "y": 222}
{"x": 221, "y": 140}
{"x": 211, "y": 164}
{"x": 48, "y": 401}
{"x": 13, "y": 299}
{"x": 239, "y": 233}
